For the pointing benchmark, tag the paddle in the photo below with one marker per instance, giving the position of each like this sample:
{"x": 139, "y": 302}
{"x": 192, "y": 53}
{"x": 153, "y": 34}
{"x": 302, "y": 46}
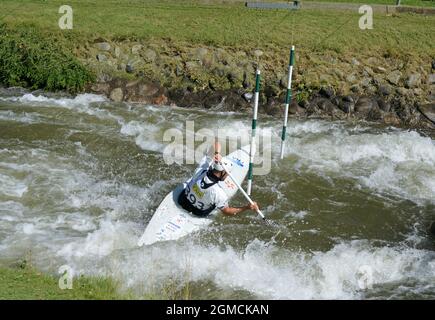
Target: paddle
{"x": 267, "y": 221}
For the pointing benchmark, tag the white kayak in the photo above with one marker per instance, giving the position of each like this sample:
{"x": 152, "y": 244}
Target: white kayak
{"x": 171, "y": 221}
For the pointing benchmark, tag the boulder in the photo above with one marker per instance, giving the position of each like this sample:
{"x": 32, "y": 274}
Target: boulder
{"x": 219, "y": 71}
{"x": 312, "y": 109}
{"x": 346, "y": 106}
{"x": 212, "y": 100}
{"x": 235, "y": 76}
{"x": 246, "y": 83}
{"x": 325, "y": 105}
{"x": 131, "y": 66}
{"x": 375, "y": 114}
{"x": 101, "y": 57}
{"x": 103, "y": 46}
{"x": 234, "y": 102}
{"x": 132, "y": 83}
{"x": 160, "y": 100}
{"x": 248, "y": 96}
{"x": 384, "y": 106}
{"x": 117, "y": 95}
{"x": 338, "y": 73}
{"x": 348, "y": 99}
{"x": 431, "y": 97}
{"x": 394, "y": 77}
{"x": 201, "y": 53}
{"x": 384, "y": 89}
{"x": 367, "y": 71}
{"x": 271, "y": 107}
{"x": 147, "y": 89}
{"x": 413, "y": 80}
{"x": 103, "y": 77}
{"x": 417, "y": 91}
{"x": 283, "y": 81}
{"x": 294, "y": 108}
{"x": 351, "y": 78}
{"x": 122, "y": 67}
{"x": 365, "y": 104}
{"x": 325, "y": 79}
{"x": 327, "y": 92}
{"x": 390, "y": 118}
{"x": 402, "y": 108}
{"x": 373, "y": 61}
{"x": 428, "y": 110}
{"x": 192, "y": 65}
{"x": 335, "y": 100}
{"x": 365, "y": 82}
{"x": 258, "y": 53}
{"x": 402, "y": 91}
{"x": 355, "y": 62}
{"x": 379, "y": 69}
{"x": 150, "y": 55}
{"x": 117, "y": 52}
{"x": 101, "y": 88}
{"x": 431, "y": 78}
{"x": 355, "y": 88}
{"x": 207, "y": 61}
{"x": 136, "y": 49}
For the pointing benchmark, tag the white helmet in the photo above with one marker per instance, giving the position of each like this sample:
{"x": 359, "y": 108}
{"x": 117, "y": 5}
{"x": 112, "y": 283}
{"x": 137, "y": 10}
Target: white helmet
{"x": 217, "y": 166}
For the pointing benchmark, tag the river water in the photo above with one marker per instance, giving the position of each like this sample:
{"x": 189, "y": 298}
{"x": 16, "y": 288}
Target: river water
{"x": 80, "y": 177}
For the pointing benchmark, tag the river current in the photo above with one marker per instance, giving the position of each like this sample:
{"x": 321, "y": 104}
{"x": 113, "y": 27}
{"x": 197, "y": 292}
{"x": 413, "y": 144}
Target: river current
{"x": 80, "y": 178}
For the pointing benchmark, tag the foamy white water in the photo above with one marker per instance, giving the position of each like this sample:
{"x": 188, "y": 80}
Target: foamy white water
{"x": 80, "y": 178}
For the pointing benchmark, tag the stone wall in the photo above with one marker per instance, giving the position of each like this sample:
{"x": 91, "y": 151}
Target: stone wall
{"x": 373, "y": 86}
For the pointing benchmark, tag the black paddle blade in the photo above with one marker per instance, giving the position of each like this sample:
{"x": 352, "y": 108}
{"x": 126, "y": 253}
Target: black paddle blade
{"x": 271, "y": 223}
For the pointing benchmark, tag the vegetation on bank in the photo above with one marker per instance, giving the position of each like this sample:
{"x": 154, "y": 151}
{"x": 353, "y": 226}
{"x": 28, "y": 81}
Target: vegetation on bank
{"x": 172, "y": 29}
{"x": 417, "y": 3}
{"x": 228, "y": 24}
{"x": 29, "y": 284}
{"x": 22, "y": 281}
{"x": 30, "y": 59}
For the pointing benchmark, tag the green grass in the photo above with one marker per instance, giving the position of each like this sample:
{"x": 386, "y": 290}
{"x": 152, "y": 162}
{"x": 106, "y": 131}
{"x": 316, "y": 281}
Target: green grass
{"x": 29, "y": 284}
{"x": 228, "y": 25}
{"x": 417, "y": 3}
{"x": 320, "y": 36}
{"x": 22, "y": 281}
{"x": 29, "y": 59}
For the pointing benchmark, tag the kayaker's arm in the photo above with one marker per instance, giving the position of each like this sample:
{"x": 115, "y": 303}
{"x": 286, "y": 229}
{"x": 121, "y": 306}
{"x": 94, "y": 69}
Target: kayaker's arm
{"x": 232, "y": 211}
{"x": 217, "y": 147}
{"x": 217, "y": 151}
{"x": 214, "y": 151}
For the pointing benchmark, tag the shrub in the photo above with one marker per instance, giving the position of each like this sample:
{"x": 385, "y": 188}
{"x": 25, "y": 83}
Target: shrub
{"x": 29, "y": 59}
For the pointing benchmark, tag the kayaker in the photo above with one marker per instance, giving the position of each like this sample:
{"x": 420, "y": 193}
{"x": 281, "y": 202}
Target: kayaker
{"x": 203, "y": 193}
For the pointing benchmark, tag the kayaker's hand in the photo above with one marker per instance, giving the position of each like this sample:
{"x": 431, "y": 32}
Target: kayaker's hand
{"x": 254, "y": 206}
{"x": 217, "y": 157}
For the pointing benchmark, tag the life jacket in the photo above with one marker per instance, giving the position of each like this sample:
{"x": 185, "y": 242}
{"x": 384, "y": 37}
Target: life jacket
{"x": 199, "y": 195}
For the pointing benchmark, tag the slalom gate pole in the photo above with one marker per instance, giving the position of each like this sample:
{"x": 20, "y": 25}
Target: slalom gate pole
{"x": 288, "y": 99}
{"x": 253, "y": 132}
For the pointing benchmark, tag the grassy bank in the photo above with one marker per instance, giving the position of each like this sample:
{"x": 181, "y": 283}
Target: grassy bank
{"x": 30, "y": 59}
{"x": 22, "y": 281}
{"x": 417, "y": 3}
{"x": 326, "y": 40}
{"x": 27, "y": 283}
{"x": 228, "y": 24}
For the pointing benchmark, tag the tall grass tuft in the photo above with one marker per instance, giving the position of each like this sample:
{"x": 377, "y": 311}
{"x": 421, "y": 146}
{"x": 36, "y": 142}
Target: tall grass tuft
{"x": 30, "y": 60}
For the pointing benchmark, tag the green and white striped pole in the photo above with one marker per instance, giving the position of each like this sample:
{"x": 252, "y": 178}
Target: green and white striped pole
{"x": 288, "y": 98}
{"x": 253, "y": 132}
